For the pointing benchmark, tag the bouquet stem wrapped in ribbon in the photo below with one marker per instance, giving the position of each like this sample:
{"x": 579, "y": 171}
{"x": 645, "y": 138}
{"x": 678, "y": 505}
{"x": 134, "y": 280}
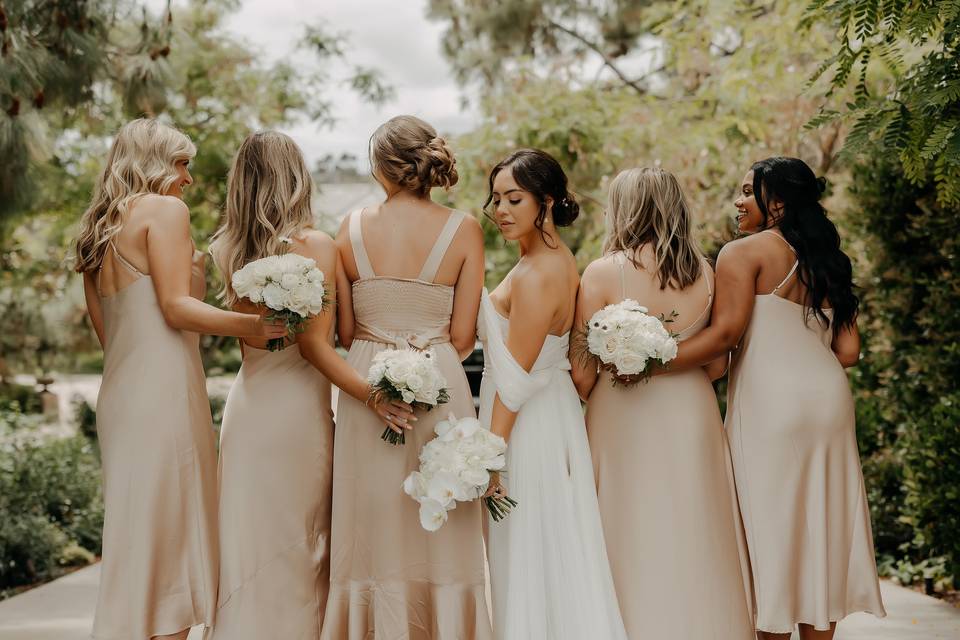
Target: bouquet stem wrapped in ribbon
{"x": 290, "y": 285}
{"x": 455, "y": 467}
{"x": 410, "y": 376}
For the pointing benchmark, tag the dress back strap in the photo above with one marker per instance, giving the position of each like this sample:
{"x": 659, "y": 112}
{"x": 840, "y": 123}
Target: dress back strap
{"x": 796, "y": 263}
{"x": 364, "y": 268}
{"x": 439, "y": 250}
{"x": 620, "y": 258}
{"x": 706, "y": 278}
{"x": 793, "y": 270}
{"x": 126, "y": 264}
{"x": 781, "y": 238}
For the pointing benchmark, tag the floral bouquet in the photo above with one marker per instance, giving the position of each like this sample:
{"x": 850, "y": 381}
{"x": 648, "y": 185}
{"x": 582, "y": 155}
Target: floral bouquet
{"x": 289, "y": 284}
{"x": 410, "y": 376}
{"x": 455, "y": 466}
{"x": 626, "y": 338}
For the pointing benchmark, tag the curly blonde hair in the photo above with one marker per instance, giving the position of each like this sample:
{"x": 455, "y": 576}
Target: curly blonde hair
{"x": 269, "y": 192}
{"x": 408, "y": 152}
{"x": 142, "y": 160}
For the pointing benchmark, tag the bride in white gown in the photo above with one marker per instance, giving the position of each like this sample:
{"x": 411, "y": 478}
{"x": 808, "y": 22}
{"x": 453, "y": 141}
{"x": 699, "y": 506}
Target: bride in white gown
{"x": 550, "y": 578}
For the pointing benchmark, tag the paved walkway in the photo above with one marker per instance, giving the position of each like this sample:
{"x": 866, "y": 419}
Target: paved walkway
{"x": 63, "y": 610}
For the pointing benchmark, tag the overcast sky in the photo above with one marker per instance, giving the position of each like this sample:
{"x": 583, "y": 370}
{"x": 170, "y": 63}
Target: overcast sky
{"x": 393, "y": 36}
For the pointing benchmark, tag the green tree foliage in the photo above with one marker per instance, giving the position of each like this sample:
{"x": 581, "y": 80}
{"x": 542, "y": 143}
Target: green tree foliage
{"x": 908, "y": 404}
{"x": 918, "y": 116}
{"x": 483, "y": 38}
{"x": 57, "y": 57}
{"x": 729, "y": 94}
{"x": 185, "y": 68}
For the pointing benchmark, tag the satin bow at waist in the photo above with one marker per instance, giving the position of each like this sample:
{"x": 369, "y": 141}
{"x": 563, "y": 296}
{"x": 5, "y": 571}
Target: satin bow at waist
{"x": 403, "y": 340}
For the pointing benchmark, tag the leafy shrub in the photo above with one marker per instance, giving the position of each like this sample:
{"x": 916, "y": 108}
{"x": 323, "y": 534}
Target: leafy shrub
{"x": 907, "y": 404}
{"x": 51, "y": 506}
{"x": 25, "y": 397}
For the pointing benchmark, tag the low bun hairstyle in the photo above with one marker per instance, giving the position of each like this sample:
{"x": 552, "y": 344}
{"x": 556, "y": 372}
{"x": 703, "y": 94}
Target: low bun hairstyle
{"x": 824, "y": 269}
{"x": 540, "y": 174}
{"x": 407, "y": 151}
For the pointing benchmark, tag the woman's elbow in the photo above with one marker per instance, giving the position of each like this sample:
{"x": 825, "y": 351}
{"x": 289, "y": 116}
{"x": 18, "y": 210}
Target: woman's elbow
{"x": 848, "y": 358}
{"x": 172, "y": 313}
{"x": 464, "y": 345}
{"x": 583, "y": 383}
{"x": 727, "y": 340}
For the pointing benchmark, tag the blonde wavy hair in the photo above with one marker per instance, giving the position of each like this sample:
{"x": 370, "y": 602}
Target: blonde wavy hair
{"x": 142, "y": 160}
{"x": 646, "y": 205}
{"x": 408, "y": 152}
{"x": 268, "y": 197}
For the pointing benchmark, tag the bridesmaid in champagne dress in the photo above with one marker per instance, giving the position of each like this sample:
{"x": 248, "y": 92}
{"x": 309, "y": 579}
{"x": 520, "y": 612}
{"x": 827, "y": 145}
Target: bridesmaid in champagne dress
{"x": 413, "y": 277}
{"x": 660, "y": 455}
{"x": 276, "y": 442}
{"x": 143, "y": 292}
{"x": 785, "y": 296}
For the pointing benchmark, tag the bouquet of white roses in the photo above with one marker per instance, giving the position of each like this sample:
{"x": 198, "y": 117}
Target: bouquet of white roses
{"x": 455, "y": 466}
{"x": 289, "y": 284}
{"x": 409, "y": 376}
{"x": 626, "y": 338}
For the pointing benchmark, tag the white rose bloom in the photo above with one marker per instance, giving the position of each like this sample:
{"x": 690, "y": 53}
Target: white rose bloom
{"x": 414, "y": 382}
{"x": 242, "y": 282}
{"x": 290, "y": 281}
{"x": 274, "y": 297}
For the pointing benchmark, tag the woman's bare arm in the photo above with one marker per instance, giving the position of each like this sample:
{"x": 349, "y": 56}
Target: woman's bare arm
{"x": 532, "y": 307}
{"x": 346, "y": 327}
{"x": 733, "y": 303}
{"x": 315, "y": 342}
{"x": 466, "y": 295}
{"x": 590, "y": 299}
{"x": 170, "y": 254}
{"x": 846, "y": 345}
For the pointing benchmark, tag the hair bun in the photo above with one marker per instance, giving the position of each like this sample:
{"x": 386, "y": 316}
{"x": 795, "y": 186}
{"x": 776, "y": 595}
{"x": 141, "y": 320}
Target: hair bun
{"x": 407, "y": 151}
{"x": 565, "y": 211}
{"x": 822, "y": 184}
{"x": 442, "y": 171}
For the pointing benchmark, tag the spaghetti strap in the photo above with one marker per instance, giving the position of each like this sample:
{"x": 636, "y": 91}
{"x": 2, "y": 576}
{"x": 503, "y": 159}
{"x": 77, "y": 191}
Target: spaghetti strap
{"x": 620, "y": 257}
{"x": 123, "y": 261}
{"x": 439, "y": 250}
{"x": 796, "y": 263}
{"x": 793, "y": 270}
{"x": 364, "y": 268}
{"x": 782, "y": 239}
{"x": 706, "y": 277}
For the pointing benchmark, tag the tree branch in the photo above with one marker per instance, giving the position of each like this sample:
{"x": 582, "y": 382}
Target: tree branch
{"x": 607, "y": 60}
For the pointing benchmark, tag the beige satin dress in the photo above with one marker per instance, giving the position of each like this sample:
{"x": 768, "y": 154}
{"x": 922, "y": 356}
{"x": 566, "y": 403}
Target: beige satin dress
{"x": 159, "y": 569}
{"x": 276, "y": 461}
{"x": 791, "y": 426}
{"x": 668, "y": 505}
{"x": 390, "y": 578}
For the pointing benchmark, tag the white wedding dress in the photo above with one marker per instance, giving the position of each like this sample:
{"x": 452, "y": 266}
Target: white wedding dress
{"x": 549, "y": 574}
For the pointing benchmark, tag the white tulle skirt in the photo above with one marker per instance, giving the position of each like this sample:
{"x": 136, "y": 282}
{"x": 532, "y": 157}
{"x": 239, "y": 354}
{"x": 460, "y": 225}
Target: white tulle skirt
{"x": 550, "y": 578}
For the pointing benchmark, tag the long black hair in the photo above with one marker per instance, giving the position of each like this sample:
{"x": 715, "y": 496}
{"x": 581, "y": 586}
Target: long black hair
{"x": 539, "y": 173}
{"x": 823, "y": 268}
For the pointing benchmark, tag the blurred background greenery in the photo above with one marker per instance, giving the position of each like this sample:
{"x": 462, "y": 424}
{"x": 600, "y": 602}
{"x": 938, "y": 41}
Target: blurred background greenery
{"x": 866, "y": 91}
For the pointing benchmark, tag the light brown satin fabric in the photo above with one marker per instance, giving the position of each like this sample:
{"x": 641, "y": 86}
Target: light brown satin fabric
{"x": 665, "y": 486}
{"x": 790, "y": 421}
{"x": 390, "y": 578}
{"x": 276, "y": 459}
{"x": 159, "y": 570}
